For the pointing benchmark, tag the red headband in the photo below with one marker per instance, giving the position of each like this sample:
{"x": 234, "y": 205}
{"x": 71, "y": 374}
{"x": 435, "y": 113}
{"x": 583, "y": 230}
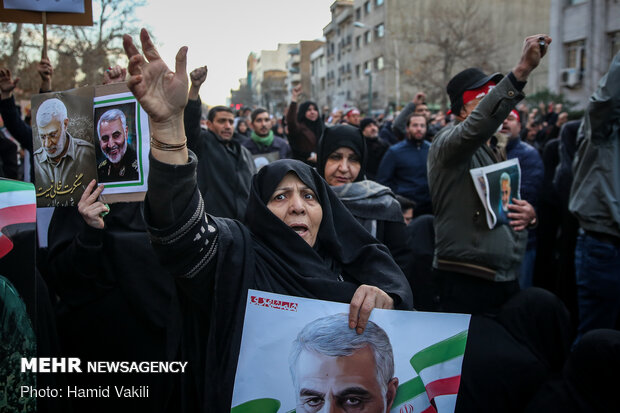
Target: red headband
{"x": 515, "y": 114}
{"x": 470, "y": 95}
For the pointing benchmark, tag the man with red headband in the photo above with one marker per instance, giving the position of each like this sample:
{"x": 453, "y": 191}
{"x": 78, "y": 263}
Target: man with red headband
{"x": 477, "y": 268}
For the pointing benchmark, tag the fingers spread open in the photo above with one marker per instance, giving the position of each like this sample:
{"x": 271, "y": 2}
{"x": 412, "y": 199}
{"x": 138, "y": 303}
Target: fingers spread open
{"x": 150, "y": 52}
{"x": 129, "y": 46}
{"x": 181, "y": 61}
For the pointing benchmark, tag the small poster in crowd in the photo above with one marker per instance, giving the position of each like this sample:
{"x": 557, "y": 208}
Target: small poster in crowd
{"x": 299, "y": 355}
{"x": 262, "y": 159}
{"x": 89, "y": 133}
{"x": 66, "y": 6}
{"x": 497, "y": 185}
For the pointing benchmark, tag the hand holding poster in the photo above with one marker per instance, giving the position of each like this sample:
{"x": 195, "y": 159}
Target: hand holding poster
{"x": 497, "y": 185}
{"x": 310, "y": 358}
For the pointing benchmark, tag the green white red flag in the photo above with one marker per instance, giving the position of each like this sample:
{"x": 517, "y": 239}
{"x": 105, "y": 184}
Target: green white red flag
{"x": 17, "y": 206}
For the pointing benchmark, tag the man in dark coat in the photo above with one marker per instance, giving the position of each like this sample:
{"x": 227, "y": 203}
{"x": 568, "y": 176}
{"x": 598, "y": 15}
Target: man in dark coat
{"x": 225, "y": 167}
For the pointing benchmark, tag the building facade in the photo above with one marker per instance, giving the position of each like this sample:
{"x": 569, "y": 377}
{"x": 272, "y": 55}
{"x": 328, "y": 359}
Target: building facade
{"x": 586, "y": 36}
{"x": 382, "y": 52}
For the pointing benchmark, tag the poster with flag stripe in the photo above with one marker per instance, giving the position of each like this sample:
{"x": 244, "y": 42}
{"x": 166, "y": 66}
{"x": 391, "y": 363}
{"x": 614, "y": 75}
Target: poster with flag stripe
{"x": 17, "y": 206}
{"x": 299, "y": 355}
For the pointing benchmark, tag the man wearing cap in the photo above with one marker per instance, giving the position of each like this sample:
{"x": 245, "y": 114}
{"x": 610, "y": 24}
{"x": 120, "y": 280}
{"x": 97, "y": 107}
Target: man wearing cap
{"x": 532, "y": 173}
{"x": 375, "y": 146}
{"x": 477, "y": 268}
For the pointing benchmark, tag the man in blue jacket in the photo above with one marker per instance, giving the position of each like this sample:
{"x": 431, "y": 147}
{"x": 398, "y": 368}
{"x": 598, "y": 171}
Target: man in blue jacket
{"x": 532, "y": 173}
{"x": 403, "y": 167}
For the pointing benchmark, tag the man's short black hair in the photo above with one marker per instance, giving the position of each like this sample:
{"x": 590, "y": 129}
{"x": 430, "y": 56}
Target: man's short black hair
{"x": 214, "y": 110}
{"x": 257, "y": 112}
{"x": 413, "y": 115}
{"x": 405, "y": 203}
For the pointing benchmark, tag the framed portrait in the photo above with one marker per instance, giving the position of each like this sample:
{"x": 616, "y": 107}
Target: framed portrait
{"x": 121, "y": 131}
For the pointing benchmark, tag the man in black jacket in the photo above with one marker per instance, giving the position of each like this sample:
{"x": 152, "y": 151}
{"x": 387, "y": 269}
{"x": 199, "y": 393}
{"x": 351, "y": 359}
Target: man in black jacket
{"x": 225, "y": 167}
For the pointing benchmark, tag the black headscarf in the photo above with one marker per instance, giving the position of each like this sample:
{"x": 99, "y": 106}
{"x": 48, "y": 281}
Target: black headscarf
{"x": 343, "y": 246}
{"x": 337, "y": 137}
{"x": 315, "y": 126}
{"x": 367, "y": 200}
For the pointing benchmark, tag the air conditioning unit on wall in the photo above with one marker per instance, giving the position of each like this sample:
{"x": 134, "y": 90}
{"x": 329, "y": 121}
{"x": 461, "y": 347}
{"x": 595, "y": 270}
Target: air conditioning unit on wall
{"x": 570, "y": 77}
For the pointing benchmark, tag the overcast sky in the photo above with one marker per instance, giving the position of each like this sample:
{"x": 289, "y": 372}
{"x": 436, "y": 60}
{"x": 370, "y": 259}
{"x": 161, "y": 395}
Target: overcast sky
{"x": 221, "y": 34}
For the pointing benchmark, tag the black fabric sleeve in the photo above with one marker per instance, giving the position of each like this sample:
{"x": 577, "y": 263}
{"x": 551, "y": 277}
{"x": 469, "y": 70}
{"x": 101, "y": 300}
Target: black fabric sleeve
{"x": 14, "y": 123}
{"x": 399, "y": 127}
{"x": 191, "y": 121}
{"x": 181, "y": 233}
{"x": 74, "y": 261}
{"x": 518, "y": 85}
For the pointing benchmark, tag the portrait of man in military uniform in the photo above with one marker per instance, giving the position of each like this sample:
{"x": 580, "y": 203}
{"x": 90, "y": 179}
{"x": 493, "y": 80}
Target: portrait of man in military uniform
{"x": 118, "y": 159}
{"x": 64, "y": 160}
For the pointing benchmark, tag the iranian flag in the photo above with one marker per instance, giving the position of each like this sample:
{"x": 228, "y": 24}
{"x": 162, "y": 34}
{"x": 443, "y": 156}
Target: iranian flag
{"x": 411, "y": 397}
{"x": 439, "y": 368}
{"x": 439, "y": 374}
{"x": 17, "y": 206}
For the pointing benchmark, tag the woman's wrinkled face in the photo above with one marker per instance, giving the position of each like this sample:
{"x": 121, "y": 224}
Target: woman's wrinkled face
{"x": 298, "y": 207}
{"x": 312, "y": 113}
{"x": 342, "y": 167}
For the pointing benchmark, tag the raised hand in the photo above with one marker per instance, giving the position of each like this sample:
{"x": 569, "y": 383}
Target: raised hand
{"x": 531, "y": 55}
{"x": 295, "y": 93}
{"x": 197, "y": 76}
{"x": 161, "y": 92}
{"x": 420, "y": 98}
{"x": 114, "y": 74}
{"x": 46, "y": 71}
{"x": 7, "y": 83}
{"x": 163, "y": 95}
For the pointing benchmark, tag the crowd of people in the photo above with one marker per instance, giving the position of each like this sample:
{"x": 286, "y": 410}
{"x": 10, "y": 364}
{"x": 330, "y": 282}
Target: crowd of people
{"x": 375, "y": 212}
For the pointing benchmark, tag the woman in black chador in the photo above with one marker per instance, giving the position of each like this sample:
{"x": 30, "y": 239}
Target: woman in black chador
{"x": 297, "y": 239}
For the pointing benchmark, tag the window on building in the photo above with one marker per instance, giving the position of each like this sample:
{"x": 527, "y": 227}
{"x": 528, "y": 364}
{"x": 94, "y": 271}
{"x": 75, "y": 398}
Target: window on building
{"x": 358, "y": 71}
{"x": 358, "y": 13}
{"x": 367, "y": 66}
{"x": 379, "y": 30}
{"x": 367, "y": 7}
{"x": 368, "y": 37}
{"x": 575, "y": 55}
{"x": 348, "y": 67}
{"x": 322, "y": 83}
{"x": 358, "y": 42}
{"x": 378, "y": 2}
{"x": 615, "y": 44}
{"x": 379, "y": 63}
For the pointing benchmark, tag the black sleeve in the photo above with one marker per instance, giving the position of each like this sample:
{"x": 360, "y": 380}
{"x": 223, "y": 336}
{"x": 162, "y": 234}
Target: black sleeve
{"x": 183, "y": 237}
{"x": 191, "y": 121}
{"x": 395, "y": 238}
{"x": 74, "y": 260}
{"x": 14, "y": 123}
